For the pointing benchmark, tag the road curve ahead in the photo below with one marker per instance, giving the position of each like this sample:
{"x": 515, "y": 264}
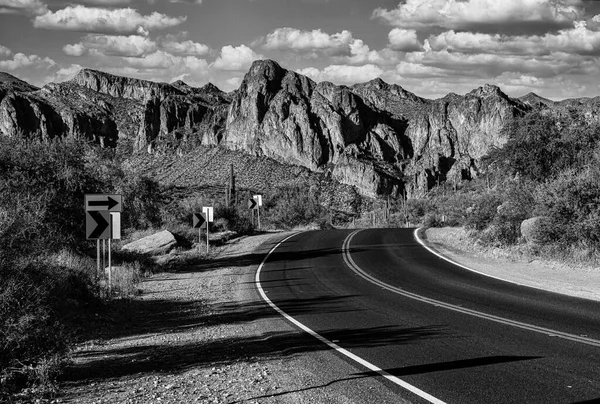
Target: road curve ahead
{"x": 429, "y": 330}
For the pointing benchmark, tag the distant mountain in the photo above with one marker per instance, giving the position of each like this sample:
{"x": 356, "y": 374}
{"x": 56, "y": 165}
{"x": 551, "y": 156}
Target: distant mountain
{"x": 375, "y": 136}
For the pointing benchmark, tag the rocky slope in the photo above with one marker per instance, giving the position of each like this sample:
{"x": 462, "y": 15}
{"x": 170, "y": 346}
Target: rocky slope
{"x": 375, "y": 136}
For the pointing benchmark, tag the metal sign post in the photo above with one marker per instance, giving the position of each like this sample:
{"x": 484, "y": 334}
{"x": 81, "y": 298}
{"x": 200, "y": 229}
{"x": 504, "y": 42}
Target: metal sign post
{"x": 199, "y": 222}
{"x": 103, "y": 222}
{"x": 208, "y": 213}
{"x": 258, "y": 203}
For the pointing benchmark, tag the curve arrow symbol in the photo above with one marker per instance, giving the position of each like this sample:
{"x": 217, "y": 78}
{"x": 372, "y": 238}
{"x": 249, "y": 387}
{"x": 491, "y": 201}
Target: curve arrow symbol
{"x": 109, "y": 203}
{"x": 101, "y": 224}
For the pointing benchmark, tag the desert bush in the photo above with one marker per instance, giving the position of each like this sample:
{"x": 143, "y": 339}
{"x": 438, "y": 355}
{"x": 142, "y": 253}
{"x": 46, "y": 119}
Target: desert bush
{"x": 540, "y": 145}
{"x": 432, "y": 220}
{"x": 418, "y": 208}
{"x": 292, "y": 206}
{"x": 482, "y": 211}
{"x": 142, "y": 196}
{"x": 572, "y": 203}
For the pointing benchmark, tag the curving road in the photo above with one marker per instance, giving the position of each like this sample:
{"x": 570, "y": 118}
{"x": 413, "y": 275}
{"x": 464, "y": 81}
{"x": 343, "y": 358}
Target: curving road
{"x": 432, "y": 331}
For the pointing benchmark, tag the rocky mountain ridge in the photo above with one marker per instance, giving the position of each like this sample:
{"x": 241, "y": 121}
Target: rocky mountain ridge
{"x": 375, "y": 136}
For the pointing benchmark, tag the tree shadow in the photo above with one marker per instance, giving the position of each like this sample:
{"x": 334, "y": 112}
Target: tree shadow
{"x": 451, "y": 365}
{"x": 256, "y": 258}
{"x": 125, "y": 361}
{"x": 410, "y": 370}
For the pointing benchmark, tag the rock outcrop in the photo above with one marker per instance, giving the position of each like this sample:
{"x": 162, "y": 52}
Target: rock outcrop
{"x": 61, "y": 110}
{"x": 123, "y": 87}
{"x": 376, "y": 136}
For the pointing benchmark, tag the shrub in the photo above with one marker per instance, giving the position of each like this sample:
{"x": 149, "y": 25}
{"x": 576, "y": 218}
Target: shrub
{"x": 432, "y": 220}
{"x": 483, "y": 211}
{"x": 572, "y": 203}
{"x": 292, "y": 206}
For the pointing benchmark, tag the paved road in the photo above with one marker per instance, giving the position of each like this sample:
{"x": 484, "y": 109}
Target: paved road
{"x": 454, "y": 335}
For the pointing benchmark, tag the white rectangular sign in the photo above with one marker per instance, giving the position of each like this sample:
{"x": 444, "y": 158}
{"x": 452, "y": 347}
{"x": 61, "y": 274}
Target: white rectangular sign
{"x": 208, "y": 212}
{"x": 115, "y": 220}
{"x": 258, "y": 199}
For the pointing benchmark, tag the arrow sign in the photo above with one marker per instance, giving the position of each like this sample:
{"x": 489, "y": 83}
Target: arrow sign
{"x": 97, "y": 225}
{"x": 252, "y": 204}
{"x": 100, "y": 202}
{"x": 199, "y": 221}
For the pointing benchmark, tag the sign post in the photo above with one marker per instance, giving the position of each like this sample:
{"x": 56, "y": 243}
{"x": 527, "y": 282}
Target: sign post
{"x": 208, "y": 213}
{"x": 103, "y": 222}
{"x": 199, "y": 222}
{"x": 257, "y": 204}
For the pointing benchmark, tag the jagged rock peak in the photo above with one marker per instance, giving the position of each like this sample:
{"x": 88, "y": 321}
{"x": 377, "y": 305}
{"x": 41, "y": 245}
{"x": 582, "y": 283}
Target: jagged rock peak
{"x": 118, "y": 86}
{"x": 180, "y": 83}
{"x": 488, "y": 90}
{"x": 211, "y": 88}
{"x": 535, "y": 100}
{"x": 9, "y": 81}
{"x": 261, "y": 70}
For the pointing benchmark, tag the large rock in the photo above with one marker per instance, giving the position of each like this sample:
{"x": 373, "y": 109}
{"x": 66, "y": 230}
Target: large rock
{"x": 155, "y": 244}
{"x": 536, "y": 230}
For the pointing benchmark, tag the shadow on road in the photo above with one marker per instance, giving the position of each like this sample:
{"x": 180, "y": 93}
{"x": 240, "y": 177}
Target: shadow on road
{"x": 172, "y": 358}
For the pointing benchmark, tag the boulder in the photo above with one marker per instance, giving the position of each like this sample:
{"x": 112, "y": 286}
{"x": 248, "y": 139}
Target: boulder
{"x": 536, "y": 230}
{"x": 155, "y": 244}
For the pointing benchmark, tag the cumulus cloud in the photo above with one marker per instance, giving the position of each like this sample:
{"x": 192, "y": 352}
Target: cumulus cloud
{"x": 185, "y": 48}
{"x": 74, "y": 50}
{"x": 306, "y": 41}
{"x": 343, "y": 74}
{"x": 4, "y": 51}
{"x": 491, "y": 65}
{"x": 457, "y": 14}
{"x": 66, "y": 73}
{"x": 232, "y": 84}
{"x": 404, "y": 40}
{"x": 132, "y": 45}
{"x": 27, "y": 7}
{"x": 105, "y": 3}
{"x": 236, "y": 58}
{"x": 579, "y": 40}
{"x": 20, "y": 60}
{"x": 93, "y": 19}
{"x": 341, "y": 46}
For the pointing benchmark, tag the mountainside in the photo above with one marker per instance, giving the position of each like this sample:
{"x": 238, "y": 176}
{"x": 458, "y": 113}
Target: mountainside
{"x": 375, "y": 136}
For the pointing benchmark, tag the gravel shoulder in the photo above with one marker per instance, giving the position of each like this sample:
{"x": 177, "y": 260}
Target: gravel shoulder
{"x": 578, "y": 281}
{"x": 201, "y": 334}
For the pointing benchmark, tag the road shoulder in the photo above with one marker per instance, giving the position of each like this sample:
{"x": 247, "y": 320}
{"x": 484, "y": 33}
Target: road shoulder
{"x": 454, "y": 244}
{"x": 202, "y": 334}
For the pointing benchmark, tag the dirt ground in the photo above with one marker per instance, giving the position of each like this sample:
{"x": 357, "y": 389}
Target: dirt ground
{"x": 202, "y": 335}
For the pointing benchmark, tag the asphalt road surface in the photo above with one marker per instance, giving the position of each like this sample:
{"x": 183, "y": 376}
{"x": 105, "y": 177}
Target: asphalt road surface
{"x": 432, "y": 331}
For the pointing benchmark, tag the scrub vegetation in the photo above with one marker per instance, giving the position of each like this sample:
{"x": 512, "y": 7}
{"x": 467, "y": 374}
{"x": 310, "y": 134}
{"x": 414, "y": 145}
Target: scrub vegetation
{"x": 548, "y": 168}
{"x": 51, "y": 292}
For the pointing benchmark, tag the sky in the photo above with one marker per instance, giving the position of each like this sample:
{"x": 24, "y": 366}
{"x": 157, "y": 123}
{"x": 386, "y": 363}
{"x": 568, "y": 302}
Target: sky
{"x": 429, "y": 47}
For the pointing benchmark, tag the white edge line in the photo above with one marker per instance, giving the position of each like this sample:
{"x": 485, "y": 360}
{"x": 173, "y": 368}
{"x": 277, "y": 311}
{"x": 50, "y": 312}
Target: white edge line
{"x": 542, "y": 330}
{"x": 332, "y": 345}
{"x": 431, "y": 250}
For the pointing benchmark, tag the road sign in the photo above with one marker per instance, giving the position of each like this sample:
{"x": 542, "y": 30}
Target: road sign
{"x": 115, "y": 225}
{"x": 252, "y": 204}
{"x": 199, "y": 221}
{"x": 103, "y": 202}
{"x": 258, "y": 199}
{"x": 97, "y": 225}
{"x": 208, "y": 213}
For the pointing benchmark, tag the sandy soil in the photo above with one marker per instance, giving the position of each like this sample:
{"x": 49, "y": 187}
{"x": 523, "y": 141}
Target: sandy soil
{"x": 577, "y": 281}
